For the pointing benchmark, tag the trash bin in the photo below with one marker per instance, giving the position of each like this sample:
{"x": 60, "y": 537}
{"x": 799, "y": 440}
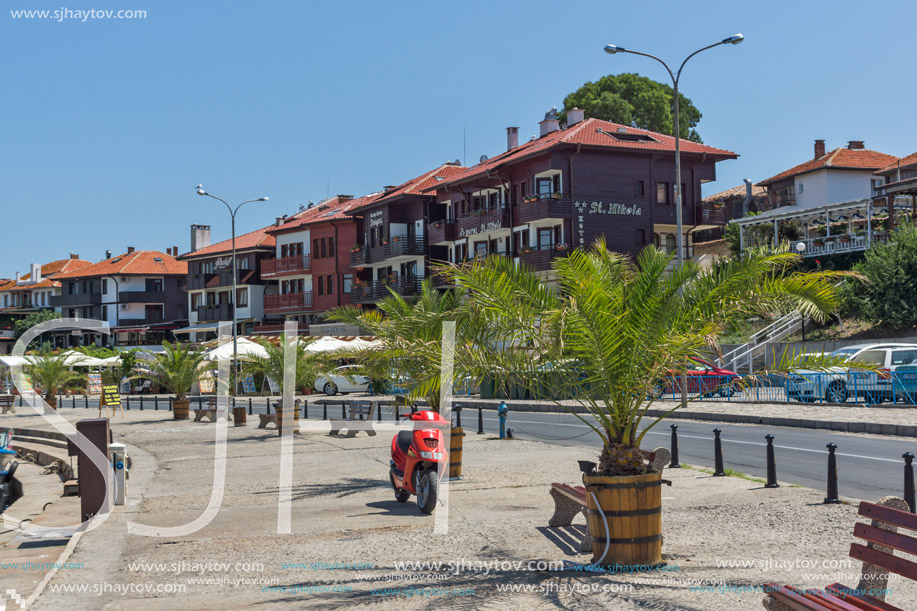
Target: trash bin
{"x": 239, "y": 416}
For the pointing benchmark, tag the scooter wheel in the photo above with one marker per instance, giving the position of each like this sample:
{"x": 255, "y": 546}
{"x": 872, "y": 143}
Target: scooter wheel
{"x": 401, "y": 496}
{"x": 427, "y": 492}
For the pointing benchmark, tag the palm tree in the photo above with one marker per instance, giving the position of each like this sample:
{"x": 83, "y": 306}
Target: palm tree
{"x": 50, "y": 373}
{"x": 612, "y": 327}
{"x": 177, "y": 369}
{"x": 410, "y": 333}
{"x": 309, "y": 366}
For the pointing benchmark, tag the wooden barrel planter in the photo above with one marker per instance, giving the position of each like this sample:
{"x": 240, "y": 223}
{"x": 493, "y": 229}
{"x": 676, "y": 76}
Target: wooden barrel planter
{"x": 283, "y": 414}
{"x": 239, "y": 416}
{"x": 455, "y": 453}
{"x": 180, "y": 409}
{"x": 632, "y": 507}
{"x": 52, "y": 403}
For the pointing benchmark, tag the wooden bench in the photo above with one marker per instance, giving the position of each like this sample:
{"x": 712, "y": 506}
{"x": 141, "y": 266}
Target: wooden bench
{"x": 882, "y": 539}
{"x": 266, "y": 419}
{"x": 359, "y": 418}
{"x": 210, "y": 412}
{"x": 8, "y": 403}
{"x": 570, "y": 500}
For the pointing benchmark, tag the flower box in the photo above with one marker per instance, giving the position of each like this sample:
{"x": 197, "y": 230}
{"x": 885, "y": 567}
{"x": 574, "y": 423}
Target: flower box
{"x": 526, "y": 250}
{"x": 557, "y": 195}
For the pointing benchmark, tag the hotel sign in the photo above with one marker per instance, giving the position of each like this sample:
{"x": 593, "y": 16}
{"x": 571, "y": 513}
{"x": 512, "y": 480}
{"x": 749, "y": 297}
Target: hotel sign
{"x": 491, "y": 226}
{"x": 222, "y": 262}
{"x": 603, "y": 208}
{"x": 375, "y": 219}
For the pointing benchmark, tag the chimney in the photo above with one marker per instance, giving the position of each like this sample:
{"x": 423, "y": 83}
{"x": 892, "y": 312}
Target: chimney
{"x": 856, "y": 145}
{"x": 175, "y": 251}
{"x": 73, "y": 255}
{"x": 819, "y": 149}
{"x": 108, "y": 254}
{"x": 512, "y": 138}
{"x": 200, "y": 237}
{"x": 35, "y": 272}
{"x": 278, "y": 221}
{"x": 575, "y": 115}
{"x": 130, "y": 250}
{"x": 549, "y": 124}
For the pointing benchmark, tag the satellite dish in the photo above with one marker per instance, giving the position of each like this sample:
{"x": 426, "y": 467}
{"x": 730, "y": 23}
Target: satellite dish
{"x": 483, "y": 158}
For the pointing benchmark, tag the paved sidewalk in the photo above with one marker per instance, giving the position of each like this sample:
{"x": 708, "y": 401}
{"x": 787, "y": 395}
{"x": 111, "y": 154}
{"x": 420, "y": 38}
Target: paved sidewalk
{"x": 348, "y": 533}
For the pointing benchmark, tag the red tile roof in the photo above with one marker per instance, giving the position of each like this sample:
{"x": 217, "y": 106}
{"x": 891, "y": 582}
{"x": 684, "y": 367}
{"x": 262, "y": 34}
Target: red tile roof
{"x": 336, "y": 208}
{"x": 904, "y": 162}
{"x": 739, "y": 191}
{"x": 48, "y": 271}
{"x": 591, "y": 132}
{"x": 138, "y": 263}
{"x": 839, "y": 158}
{"x": 258, "y": 238}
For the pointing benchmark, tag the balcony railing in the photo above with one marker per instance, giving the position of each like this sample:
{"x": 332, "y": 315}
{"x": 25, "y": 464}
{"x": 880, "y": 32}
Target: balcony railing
{"x": 141, "y": 296}
{"x": 222, "y": 311}
{"x": 711, "y": 214}
{"x": 481, "y": 221}
{"x": 374, "y": 291}
{"x": 291, "y": 302}
{"x": 131, "y": 322}
{"x": 546, "y": 207}
{"x": 286, "y": 265}
{"x": 198, "y": 281}
{"x": 441, "y": 231}
{"x": 76, "y": 300}
{"x": 835, "y": 244}
{"x": 539, "y": 257}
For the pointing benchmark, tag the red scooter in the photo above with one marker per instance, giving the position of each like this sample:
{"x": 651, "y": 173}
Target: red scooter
{"x": 419, "y": 460}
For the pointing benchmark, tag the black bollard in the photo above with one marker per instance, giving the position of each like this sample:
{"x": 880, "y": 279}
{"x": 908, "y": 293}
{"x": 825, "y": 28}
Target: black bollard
{"x": 170, "y": 404}
{"x": 249, "y": 406}
{"x": 458, "y": 416}
{"x": 305, "y": 409}
{"x": 378, "y": 411}
{"x": 141, "y": 403}
{"x": 718, "y": 470}
{"x": 267, "y": 404}
{"x": 324, "y": 410}
{"x": 156, "y": 402}
{"x": 832, "y": 475}
{"x": 480, "y": 421}
{"x": 397, "y": 415}
{"x": 675, "y": 464}
{"x": 343, "y": 413}
{"x": 909, "y": 481}
{"x": 86, "y": 401}
{"x": 771, "y": 464}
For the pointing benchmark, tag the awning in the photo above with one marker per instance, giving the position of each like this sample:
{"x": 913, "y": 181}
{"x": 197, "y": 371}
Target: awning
{"x": 130, "y": 329}
{"x": 204, "y": 326}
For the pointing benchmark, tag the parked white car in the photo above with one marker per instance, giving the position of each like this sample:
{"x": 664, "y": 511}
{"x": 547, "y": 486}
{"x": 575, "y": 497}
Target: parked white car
{"x": 343, "y": 379}
{"x": 838, "y": 384}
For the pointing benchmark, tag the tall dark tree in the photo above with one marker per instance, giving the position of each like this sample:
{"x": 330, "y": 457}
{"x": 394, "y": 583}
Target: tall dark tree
{"x": 635, "y": 100}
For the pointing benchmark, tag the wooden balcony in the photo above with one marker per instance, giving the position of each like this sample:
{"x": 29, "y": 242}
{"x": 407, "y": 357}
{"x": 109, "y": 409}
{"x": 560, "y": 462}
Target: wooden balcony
{"x": 222, "y": 311}
{"x": 482, "y": 221}
{"x": 539, "y": 258}
{"x": 299, "y": 264}
{"x": 441, "y": 231}
{"x": 378, "y": 290}
{"x": 291, "y": 302}
{"x": 547, "y": 207}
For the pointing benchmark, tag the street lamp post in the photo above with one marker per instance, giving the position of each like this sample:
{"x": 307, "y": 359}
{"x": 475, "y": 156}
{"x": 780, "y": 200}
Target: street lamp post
{"x": 232, "y": 298}
{"x": 612, "y": 49}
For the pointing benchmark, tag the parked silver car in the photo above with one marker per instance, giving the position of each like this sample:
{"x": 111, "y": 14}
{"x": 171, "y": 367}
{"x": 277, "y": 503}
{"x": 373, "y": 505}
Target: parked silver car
{"x": 838, "y": 384}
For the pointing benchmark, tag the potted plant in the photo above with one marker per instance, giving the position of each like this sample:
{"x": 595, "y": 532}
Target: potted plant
{"x": 614, "y": 330}
{"x": 561, "y": 247}
{"x": 356, "y": 248}
{"x": 557, "y": 195}
{"x": 309, "y": 367}
{"x": 844, "y": 238}
{"x": 385, "y": 242}
{"x": 438, "y": 225}
{"x": 526, "y": 250}
{"x": 177, "y": 369}
{"x": 51, "y": 374}
{"x": 818, "y": 243}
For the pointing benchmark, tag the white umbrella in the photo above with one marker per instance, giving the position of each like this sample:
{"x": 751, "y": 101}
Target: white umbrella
{"x": 327, "y": 344}
{"x": 245, "y": 348}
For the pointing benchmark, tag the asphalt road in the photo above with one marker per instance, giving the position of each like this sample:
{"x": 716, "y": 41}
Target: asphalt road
{"x": 869, "y": 466}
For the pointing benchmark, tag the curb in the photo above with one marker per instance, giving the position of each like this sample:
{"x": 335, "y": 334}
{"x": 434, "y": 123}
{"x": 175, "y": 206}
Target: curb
{"x": 873, "y": 428}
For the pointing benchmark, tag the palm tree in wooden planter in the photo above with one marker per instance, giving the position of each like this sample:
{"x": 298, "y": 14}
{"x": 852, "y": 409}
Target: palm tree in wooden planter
{"x": 309, "y": 367}
{"x": 177, "y": 369}
{"x": 613, "y": 330}
{"x": 50, "y": 373}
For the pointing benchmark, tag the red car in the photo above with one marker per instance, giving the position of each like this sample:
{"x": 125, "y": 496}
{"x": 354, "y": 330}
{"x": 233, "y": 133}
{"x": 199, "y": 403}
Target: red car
{"x": 707, "y": 380}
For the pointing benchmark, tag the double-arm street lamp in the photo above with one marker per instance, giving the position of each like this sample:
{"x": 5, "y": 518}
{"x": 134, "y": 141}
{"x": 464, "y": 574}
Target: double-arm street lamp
{"x": 612, "y": 49}
{"x": 232, "y": 299}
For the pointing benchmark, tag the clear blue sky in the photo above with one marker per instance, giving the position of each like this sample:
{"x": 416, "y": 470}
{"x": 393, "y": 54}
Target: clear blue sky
{"x": 108, "y": 125}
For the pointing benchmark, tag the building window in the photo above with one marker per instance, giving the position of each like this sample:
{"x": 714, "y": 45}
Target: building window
{"x": 321, "y": 285}
{"x": 331, "y": 247}
{"x": 153, "y": 312}
{"x": 662, "y": 192}
{"x": 544, "y": 186}
{"x": 800, "y": 188}
{"x": 242, "y": 263}
{"x": 195, "y": 301}
{"x": 104, "y": 285}
{"x": 104, "y": 312}
{"x": 324, "y": 248}
{"x": 153, "y": 285}
{"x": 242, "y": 298}
{"x": 329, "y": 284}
{"x": 315, "y": 252}
{"x": 683, "y": 194}
{"x": 638, "y": 188}
{"x": 640, "y": 237}
{"x": 347, "y": 283}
